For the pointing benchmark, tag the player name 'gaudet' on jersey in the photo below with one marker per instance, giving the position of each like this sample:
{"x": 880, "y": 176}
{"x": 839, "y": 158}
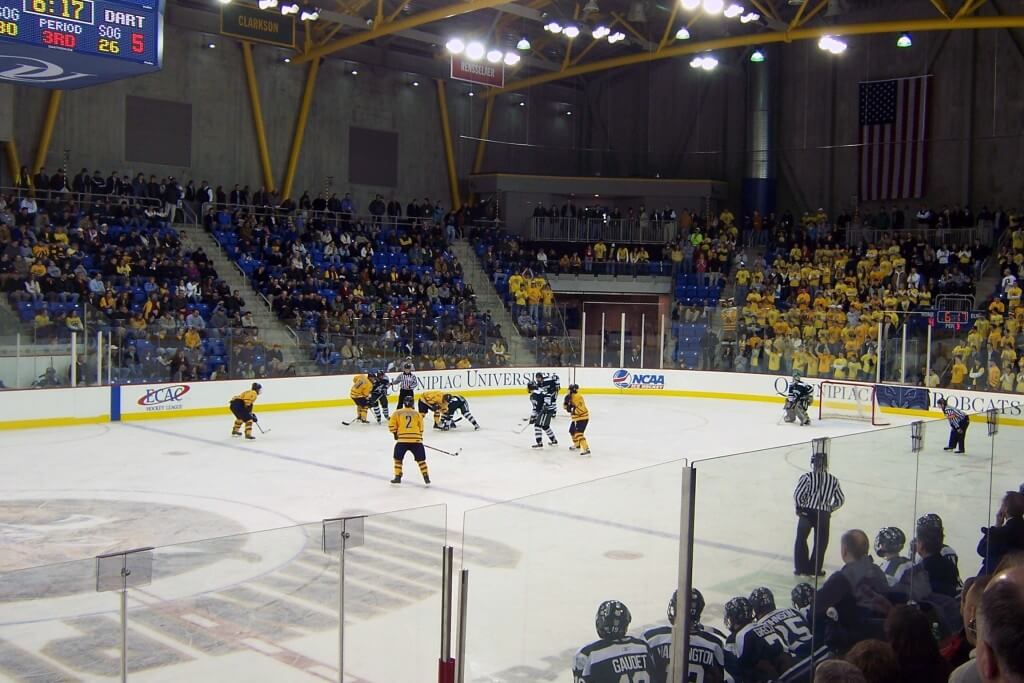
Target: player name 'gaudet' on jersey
{"x": 622, "y": 660}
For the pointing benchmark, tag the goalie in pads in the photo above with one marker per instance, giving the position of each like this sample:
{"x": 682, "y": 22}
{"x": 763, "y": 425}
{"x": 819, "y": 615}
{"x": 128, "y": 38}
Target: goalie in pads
{"x": 798, "y": 400}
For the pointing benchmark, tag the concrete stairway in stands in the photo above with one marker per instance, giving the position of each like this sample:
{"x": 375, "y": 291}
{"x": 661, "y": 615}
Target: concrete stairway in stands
{"x": 272, "y": 330}
{"x": 487, "y": 299}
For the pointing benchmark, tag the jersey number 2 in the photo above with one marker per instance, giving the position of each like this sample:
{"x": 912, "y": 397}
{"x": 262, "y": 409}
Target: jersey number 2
{"x": 408, "y": 421}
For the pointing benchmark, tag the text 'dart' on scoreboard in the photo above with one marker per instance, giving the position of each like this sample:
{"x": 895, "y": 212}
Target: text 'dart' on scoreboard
{"x": 70, "y": 44}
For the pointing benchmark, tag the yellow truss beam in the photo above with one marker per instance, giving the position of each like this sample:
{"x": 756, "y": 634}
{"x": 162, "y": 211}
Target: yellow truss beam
{"x": 968, "y": 8}
{"x": 405, "y": 24}
{"x": 46, "y": 134}
{"x": 257, "y": 115}
{"x": 767, "y": 10}
{"x": 300, "y": 129}
{"x": 814, "y": 12}
{"x": 668, "y": 27}
{"x": 629, "y": 27}
{"x": 753, "y": 39}
{"x": 449, "y": 150}
{"x": 941, "y": 6}
{"x": 799, "y": 13}
{"x": 593, "y": 44}
{"x": 398, "y": 10}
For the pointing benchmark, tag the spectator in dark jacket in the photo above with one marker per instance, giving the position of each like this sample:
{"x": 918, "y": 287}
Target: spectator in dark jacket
{"x": 1006, "y": 536}
{"x": 851, "y": 590}
{"x": 909, "y": 632}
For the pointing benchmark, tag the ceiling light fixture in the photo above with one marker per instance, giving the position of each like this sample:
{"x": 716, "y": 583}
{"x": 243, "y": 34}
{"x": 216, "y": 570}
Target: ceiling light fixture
{"x": 211, "y": 45}
{"x": 267, "y": 4}
{"x": 706, "y": 62}
{"x": 523, "y": 44}
{"x": 690, "y": 5}
{"x": 570, "y": 31}
{"x": 511, "y": 58}
{"x": 309, "y": 14}
{"x": 904, "y": 41}
{"x": 616, "y": 37}
{"x": 682, "y": 34}
{"x": 733, "y": 11}
{"x": 591, "y": 7}
{"x": 713, "y": 6}
{"x": 601, "y": 32}
{"x": 553, "y": 27}
{"x": 831, "y": 44}
{"x": 494, "y": 56}
{"x": 289, "y": 8}
{"x": 415, "y": 84}
{"x": 757, "y": 56}
{"x": 522, "y": 103}
{"x": 355, "y": 72}
{"x": 749, "y": 17}
{"x": 455, "y": 46}
{"x": 475, "y": 50}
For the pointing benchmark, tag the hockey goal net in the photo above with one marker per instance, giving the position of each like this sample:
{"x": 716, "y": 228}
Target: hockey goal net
{"x": 849, "y": 401}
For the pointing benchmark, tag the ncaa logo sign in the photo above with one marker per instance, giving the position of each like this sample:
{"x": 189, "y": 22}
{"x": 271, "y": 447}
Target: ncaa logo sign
{"x": 164, "y": 398}
{"x": 623, "y": 379}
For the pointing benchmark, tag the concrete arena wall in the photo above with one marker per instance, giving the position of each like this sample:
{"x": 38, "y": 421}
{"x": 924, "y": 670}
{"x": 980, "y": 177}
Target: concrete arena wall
{"x": 57, "y": 407}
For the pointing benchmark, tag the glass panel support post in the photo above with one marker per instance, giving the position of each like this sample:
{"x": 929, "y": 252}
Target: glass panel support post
{"x": 341, "y": 534}
{"x": 681, "y": 629}
{"x": 117, "y": 572}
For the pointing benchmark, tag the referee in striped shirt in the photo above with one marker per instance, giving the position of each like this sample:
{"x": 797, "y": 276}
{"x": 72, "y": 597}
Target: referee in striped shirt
{"x": 817, "y": 495}
{"x": 958, "y": 424}
{"x": 406, "y": 383}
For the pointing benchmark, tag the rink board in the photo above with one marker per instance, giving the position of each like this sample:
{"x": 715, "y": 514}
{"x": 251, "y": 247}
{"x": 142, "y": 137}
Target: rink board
{"x": 30, "y": 408}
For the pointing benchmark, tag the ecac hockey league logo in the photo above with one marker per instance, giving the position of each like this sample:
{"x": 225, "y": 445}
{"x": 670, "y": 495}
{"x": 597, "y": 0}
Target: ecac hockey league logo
{"x": 623, "y": 379}
{"x": 164, "y": 398}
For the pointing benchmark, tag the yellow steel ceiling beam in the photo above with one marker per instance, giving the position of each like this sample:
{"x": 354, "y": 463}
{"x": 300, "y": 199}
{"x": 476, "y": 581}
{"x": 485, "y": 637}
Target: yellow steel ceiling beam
{"x": 814, "y": 12}
{"x": 629, "y": 27}
{"x": 969, "y": 7}
{"x": 593, "y": 43}
{"x": 753, "y": 39}
{"x": 767, "y": 10}
{"x": 405, "y": 24}
{"x": 799, "y": 13}
{"x": 398, "y": 10}
{"x": 668, "y": 26}
{"x": 941, "y": 6}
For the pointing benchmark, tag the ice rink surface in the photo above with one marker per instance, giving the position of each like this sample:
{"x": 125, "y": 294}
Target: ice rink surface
{"x": 263, "y": 606}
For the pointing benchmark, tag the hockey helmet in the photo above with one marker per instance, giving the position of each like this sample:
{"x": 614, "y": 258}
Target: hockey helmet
{"x": 573, "y": 388}
{"x": 762, "y": 600}
{"x": 447, "y": 398}
{"x": 738, "y": 613}
{"x": 407, "y": 402}
{"x": 539, "y": 376}
{"x": 257, "y": 387}
{"x": 612, "y": 620}
{"x": 802, "y": 595}
{"x": 889, "y": 540}
{"x": 930, "y": 520}
{"x": 696, "y": 606}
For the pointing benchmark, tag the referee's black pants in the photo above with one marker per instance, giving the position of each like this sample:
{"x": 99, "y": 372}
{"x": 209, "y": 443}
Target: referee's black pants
{"x": 956, "y": 438}
{"x": 810, "y": 520}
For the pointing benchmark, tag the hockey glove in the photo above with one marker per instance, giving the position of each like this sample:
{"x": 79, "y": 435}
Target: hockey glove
{"x": 254, "y": 418}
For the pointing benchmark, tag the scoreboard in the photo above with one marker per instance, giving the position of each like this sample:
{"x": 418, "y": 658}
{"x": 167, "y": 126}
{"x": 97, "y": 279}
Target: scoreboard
{"x": 70, "y": 44}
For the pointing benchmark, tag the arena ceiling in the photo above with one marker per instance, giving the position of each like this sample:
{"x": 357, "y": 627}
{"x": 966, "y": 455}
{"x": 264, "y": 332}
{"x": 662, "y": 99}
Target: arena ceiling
{"x": 649, "y": 28}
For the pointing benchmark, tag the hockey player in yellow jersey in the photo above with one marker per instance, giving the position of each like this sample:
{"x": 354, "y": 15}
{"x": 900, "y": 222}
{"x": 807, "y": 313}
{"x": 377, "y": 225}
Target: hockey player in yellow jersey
{"x": 241, "y": 408}
{"x": 433, "y": 400}
{"x": 360, "y": 395}
{"x": 406, "y": 424}
{"x": 577, "y": 408}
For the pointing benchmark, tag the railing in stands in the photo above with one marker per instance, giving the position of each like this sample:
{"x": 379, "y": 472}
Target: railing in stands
{"x": 619, "y": 231}
{"x": 936, "y": 237}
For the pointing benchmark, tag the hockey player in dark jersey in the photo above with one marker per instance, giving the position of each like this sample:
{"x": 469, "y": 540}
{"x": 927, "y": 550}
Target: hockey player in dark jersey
{"x": 795, "y": 632}
{"x": 906, "y": 581}
{"x": 707, "y": 656}
{"x": 759, "y": 651}
{"x": 615, "y": 657}
{"x": 379, "y": 394}
{"x": 543, "y": 411}
{"x": 461, "y": 405}
{"x": 802, "y": 597}
{"x": 932, "y": 523}
{"x": 798, "y": 400}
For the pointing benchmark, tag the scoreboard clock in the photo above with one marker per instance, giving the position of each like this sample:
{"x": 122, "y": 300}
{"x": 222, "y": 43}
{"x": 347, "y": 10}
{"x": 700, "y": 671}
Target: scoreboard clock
{"x": 69, "y": 44}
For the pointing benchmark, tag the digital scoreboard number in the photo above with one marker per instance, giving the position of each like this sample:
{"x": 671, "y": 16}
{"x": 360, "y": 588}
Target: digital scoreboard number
{"x": 76, "y": 43}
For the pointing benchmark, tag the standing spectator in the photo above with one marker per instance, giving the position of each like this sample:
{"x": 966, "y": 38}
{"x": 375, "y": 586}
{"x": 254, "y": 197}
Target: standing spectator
{"x": 376, "y": 209}
{"x": 958, "y": 424}
{"x": 1006, "y": 536}
{"x": 967, "y": 671}
{"x": 818, "y": 494}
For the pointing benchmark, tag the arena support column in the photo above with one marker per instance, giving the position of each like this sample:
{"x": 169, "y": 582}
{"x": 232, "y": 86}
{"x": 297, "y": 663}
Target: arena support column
{"x": 13, "y": 162}
{"x": 681, "y": 629}
{"x": 46, "y": 134}
{"x": 257, "y": 115}
{"x": 300, "y": 128}
{"x": 759, "y": 185}
{"x": 449, "y": 152}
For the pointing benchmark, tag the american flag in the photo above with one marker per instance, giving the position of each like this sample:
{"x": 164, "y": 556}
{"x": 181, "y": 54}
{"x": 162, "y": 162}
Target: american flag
{"x": 893, "y": 131}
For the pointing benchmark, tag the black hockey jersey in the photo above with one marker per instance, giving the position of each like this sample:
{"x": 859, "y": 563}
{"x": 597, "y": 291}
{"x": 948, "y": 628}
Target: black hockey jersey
{"x": 753, "y": 644}
{"x": 457, "y": 403}
{"x": 707, "y": 655}
{"x": 379, "y": 389}
{"x": 791, "y": 626}
{"x": 625, "y": 659}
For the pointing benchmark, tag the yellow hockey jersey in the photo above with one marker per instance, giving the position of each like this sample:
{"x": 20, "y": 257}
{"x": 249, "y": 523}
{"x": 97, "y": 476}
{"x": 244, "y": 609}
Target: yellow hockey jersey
{"x": 407, "y": 425}
{"x": 361, "y": 386}
{"x": 577, "y": 407}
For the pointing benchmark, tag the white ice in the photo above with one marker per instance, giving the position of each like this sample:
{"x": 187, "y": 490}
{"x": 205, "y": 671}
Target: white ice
{"x": 263, "y": 606}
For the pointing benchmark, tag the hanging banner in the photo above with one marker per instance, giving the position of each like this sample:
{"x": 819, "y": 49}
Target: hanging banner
{"x": 483, "y": 73}
{"x": 250, "y": 23}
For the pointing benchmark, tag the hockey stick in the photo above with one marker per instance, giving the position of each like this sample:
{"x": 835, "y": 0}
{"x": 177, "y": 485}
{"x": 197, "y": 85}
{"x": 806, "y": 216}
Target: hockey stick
{"x": 457, "y": 451}
{"x": 262, "y": 430}
{"x": 522, "y": 428}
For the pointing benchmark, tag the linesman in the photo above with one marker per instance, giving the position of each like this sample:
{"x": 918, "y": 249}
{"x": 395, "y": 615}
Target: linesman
{"x": 406, "y": 383}
{"x": 958, "y": 424}
{"x": 577, "y": 408}
{"x": 407, "y": 426}
{"x": 817, "y": 495}
{"x": 241, "y": 408}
